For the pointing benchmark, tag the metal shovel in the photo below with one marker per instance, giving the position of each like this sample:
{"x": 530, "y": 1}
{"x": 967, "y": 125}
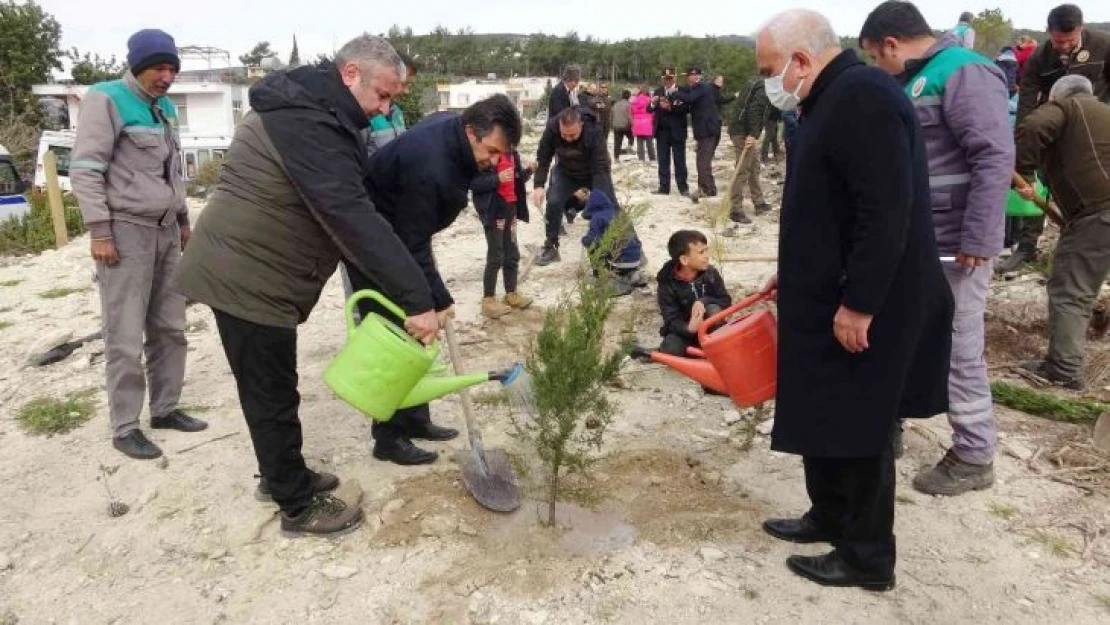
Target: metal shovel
{"x": 486, "y": 473}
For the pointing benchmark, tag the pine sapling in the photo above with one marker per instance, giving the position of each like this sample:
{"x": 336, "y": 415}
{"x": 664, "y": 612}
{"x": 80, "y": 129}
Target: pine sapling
{"x": 570, "y": 368}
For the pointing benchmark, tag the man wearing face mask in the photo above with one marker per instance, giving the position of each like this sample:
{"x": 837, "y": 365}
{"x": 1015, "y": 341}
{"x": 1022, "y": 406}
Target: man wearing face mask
{"x": 961, "y": 100}
{"x": 1071, "y": 49}
{"x": 420, "y": 184}
{"x": 290, "y": 204}
{"x": 864, "y": 312}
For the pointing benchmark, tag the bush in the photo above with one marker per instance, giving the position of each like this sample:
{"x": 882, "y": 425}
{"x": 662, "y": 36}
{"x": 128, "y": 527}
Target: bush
{"x": 34, "y": 232}
{"x": 209, "y": 173}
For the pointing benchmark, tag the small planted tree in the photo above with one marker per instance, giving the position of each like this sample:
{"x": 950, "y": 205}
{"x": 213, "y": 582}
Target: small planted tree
{"x": 570, "y": 368}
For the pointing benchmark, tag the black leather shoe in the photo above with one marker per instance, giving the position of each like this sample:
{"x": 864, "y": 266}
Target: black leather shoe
{"x": 797, "y": 531}
{"x": 321, "y": 483}
{"x": 831, "y": 570}
{"x": 136, "y": 445}
{"x": 403, "y": 452}
{"x": 433, "y": 432}
{"x": 179, "y": 421}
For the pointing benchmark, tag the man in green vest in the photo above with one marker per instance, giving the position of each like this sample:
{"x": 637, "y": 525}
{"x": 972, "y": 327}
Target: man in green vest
{"x": 961, "y": 101}
{"x": 126, "y": 174}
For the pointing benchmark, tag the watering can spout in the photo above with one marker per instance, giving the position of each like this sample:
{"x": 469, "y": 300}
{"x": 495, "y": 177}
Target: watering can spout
{"x": 434, "y": 386}
{"x": 700, "y": 371}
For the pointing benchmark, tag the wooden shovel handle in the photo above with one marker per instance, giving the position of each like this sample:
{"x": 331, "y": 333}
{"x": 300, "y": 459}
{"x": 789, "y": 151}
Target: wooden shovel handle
{"x": 456, "y": 365}
{"x": 1050, "y": 209}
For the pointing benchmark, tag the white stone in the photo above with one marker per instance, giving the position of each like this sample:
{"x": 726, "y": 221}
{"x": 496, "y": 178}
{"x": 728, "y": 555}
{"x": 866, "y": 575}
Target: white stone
{"x": 537, "y": 617}
{"x": 339, "y": 572}
{"x": 766, "y": 427}
{"x": 466, "y": 530}
{"x": 438, "y": 526}
{"x": 5, "y": 562}
{"x": 1018, "y": 450}
{"x": 732, "y": 417}
{"x": 711, "y": 554}
{"x": 47, "y": 342}
{"x": 1102, "y": 433}
{"x": 393, "y": 506}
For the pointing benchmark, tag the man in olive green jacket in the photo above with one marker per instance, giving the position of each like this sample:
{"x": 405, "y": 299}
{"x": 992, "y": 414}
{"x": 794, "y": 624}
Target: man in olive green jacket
{"x": 290, "y": 203}
{"x": 1068, "y": 140}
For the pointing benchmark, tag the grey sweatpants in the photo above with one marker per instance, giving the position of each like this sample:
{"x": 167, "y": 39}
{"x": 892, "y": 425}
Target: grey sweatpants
{"x": 1079, "y": 268}
{"x": 970, "y": 408}
{"x": 141, "y": 314}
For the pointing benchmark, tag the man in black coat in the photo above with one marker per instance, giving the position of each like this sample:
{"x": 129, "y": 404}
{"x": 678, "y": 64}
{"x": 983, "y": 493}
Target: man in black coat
{"x": 565, "y": 94}
{"x": 865, "y": 313}
{"x": 670, "y": 133}
{"x": 420, "y": 183}
{"x": 702, "y": 100}
{"x": 575, "y": 137}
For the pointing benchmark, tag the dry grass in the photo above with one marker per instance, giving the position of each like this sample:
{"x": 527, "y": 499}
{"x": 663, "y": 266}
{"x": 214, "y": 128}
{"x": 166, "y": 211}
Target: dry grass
{"x": 1055, "y": 544}
{"x": 1004, "y": 511}
{"x": 8, "y": 283}
{"x": 59, "y": 293}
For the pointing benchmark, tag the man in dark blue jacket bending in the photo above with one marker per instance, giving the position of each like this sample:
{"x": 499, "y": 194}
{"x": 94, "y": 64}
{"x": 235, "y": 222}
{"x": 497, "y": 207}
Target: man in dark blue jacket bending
{"x": 419, "y": 184}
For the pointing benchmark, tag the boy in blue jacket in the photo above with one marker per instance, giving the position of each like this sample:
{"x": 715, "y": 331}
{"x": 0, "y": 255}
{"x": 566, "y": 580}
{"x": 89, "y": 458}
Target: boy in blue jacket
{"x": 627, "y": 257}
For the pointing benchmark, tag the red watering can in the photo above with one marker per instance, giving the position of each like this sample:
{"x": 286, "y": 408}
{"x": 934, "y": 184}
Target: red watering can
{"x": 738, "y": 359}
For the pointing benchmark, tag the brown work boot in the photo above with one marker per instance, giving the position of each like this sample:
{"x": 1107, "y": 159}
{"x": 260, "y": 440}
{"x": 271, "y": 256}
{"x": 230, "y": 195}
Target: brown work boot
{"x": 493, "y": 309}
{"x": 516, "y": 300}
{"x": 952, "y": 476}
{"x": 325, "y": 515}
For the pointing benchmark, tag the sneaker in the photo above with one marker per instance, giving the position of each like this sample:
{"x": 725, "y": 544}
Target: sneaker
{"x": 1041, "y": 369}
{"x": 493, "y": 309}
{"x": 136, "y": 445}
{"x": 549, "y": 254}
{"x": 740, "y": 217}
{"x": 1015, "y": 262}
{"x": 325, "y": 515}
{"x": 518, "y": 301}
{"x": 952, "y": 476}
{"x": 762, "y": 209}
{"x": 321, "y": 483}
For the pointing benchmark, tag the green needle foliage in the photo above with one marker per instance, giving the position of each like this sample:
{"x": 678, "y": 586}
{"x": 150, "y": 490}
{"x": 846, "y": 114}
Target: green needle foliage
{"x": 1047, "y": 405}
{"x": 570, "y": 367}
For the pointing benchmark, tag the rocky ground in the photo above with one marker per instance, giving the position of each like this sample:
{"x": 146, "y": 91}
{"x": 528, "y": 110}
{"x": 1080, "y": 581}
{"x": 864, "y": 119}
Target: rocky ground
{"x": 667, "y": 530}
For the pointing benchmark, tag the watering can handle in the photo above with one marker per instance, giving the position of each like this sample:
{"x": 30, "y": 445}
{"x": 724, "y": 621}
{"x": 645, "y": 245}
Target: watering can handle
{"x": 751, "y": 300}
{"x": 374, "y": 295}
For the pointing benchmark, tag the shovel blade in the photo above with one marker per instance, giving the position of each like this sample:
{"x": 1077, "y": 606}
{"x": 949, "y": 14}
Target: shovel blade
{"x": 493, "y": 485}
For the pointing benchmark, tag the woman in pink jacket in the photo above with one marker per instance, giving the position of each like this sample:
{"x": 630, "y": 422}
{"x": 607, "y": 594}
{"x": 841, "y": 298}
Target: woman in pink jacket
{"x": 643, "y": 124}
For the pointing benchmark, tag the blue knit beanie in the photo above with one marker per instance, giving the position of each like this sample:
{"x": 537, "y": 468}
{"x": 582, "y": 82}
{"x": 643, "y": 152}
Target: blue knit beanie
{"x": 151, "y": 47}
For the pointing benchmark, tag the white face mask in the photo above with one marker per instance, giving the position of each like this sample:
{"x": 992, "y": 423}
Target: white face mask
{"x": 776, "y": 91}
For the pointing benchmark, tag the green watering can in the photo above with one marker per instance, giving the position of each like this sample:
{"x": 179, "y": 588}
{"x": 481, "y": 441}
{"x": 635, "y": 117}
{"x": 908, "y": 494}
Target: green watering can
{"x": 382, "y": 369}
{"x": 1017, "y": 206}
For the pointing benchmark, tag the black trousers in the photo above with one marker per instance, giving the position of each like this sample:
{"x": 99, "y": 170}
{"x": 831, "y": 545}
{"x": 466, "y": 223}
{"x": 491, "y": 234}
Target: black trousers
{"x": 618, "y": 140}
{"x": 502, "y": 255}
{"x": 406, "y": 421}
{"x": 560, "y": 188}
{"x": 1029, "y": 231}
{"x": 853, "y": 499}
{"x": 263, "y": 360}
{"x": 707, "y": 147}
{"x": 668, "y": 148}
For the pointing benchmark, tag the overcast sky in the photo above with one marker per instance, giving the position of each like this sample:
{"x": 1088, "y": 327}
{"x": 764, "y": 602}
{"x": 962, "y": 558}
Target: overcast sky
{"x": 235, "y": 25}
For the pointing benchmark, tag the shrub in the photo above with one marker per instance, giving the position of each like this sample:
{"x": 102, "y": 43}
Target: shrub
{"x": 34, "y": 232}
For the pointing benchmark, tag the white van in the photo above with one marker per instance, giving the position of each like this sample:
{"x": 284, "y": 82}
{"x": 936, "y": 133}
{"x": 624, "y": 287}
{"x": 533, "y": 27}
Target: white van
{"x": 61, "y": 142}
{"x": 196, "y": 150}
{"x": 12, "y": 201}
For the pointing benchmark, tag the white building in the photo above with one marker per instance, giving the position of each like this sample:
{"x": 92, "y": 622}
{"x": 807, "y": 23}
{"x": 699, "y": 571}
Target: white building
{"x": 210, "y": 104}
{"x": 204, "y": 106}
{"x": 524, "y": 92}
